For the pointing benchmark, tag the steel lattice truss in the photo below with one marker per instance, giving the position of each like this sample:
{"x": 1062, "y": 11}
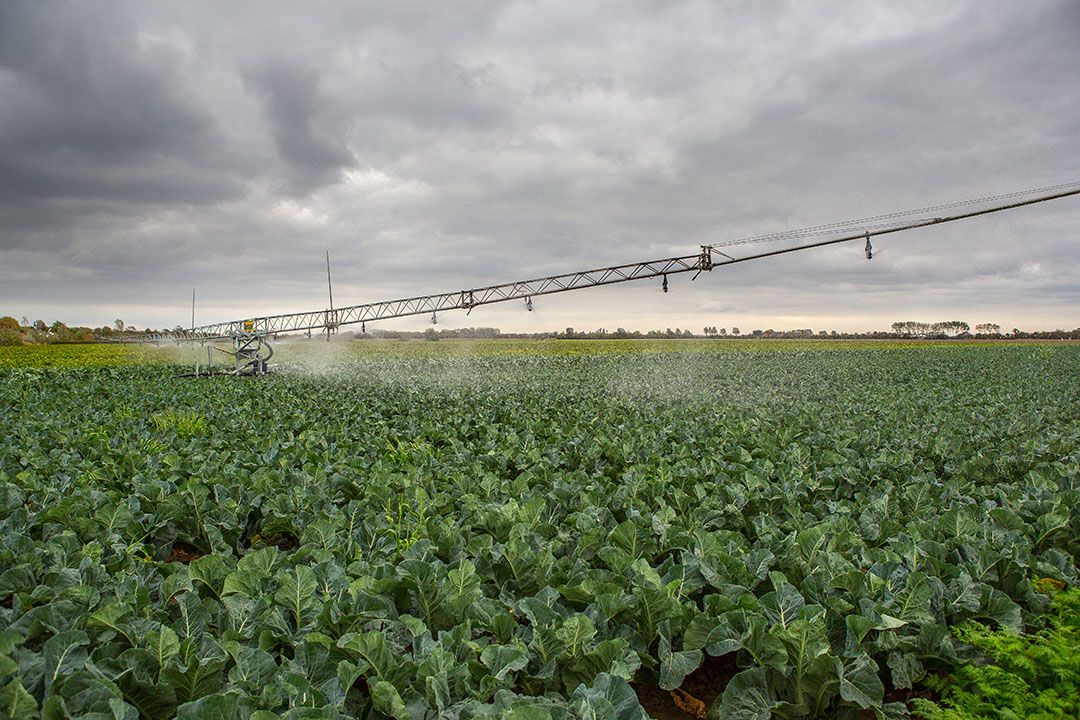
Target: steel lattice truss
{"x": 428, "y": 304}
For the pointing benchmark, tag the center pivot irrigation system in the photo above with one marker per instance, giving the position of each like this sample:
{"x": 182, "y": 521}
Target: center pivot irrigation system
{"x": 252, "y": 351}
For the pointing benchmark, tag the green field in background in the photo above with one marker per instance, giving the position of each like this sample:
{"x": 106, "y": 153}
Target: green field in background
{"x": 113, "y": 354}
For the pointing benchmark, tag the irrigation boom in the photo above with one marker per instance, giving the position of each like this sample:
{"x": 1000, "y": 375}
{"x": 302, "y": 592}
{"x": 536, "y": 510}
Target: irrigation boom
{"x": 428, "y": 304}
{"x": 249, "y": 335}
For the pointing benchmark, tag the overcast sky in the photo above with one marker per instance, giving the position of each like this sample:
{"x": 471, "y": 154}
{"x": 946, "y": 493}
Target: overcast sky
{"x": 149, "y": 148}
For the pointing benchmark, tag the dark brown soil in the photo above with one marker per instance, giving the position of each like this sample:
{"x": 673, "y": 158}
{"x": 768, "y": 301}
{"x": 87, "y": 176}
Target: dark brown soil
{"x": 360, "y": 685}
{"x": 906, "y": 695}
{"x": 7, "y": 602}
{"x": 692, "y": 700}
{"x": 184, "y": 553}
{"x": 283, "y": 541}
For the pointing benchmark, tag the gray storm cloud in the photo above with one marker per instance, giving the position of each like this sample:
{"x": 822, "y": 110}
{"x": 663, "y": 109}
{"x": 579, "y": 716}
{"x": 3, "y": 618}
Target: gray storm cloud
{"x": 148, "y": 148}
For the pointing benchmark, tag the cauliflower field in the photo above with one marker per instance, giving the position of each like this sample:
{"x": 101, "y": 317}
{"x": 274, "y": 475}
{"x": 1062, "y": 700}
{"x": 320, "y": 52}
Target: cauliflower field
{"x": 528, "y": 530}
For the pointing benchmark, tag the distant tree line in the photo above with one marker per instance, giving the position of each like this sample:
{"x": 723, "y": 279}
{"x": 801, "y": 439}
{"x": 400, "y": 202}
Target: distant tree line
{"x": 958, "y": 328}
{"x": 910, "y": 329}
{"x": 469, "y": 333}
{"x": 907, "y": 329}
{"x": 14, "y": 332}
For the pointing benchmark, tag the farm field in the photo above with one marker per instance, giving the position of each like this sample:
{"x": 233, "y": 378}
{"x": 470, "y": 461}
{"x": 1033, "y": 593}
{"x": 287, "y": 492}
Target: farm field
{"x": 528, "y": 530}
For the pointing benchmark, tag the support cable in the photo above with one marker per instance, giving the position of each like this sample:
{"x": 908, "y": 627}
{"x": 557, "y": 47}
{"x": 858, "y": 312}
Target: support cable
{"x": 874, "y": 221}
